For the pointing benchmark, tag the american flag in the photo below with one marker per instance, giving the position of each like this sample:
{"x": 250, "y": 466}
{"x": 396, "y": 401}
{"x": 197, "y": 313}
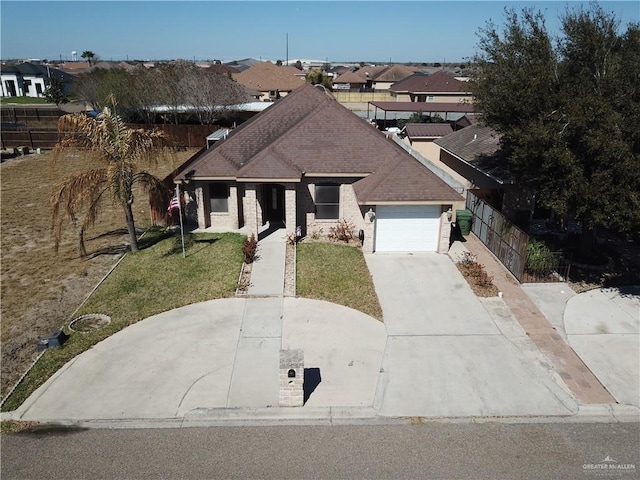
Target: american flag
{"x": 174, "y": 203}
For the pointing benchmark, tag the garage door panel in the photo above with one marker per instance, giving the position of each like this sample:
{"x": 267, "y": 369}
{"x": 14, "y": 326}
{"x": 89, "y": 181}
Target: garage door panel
{"x": 407, "y": 228}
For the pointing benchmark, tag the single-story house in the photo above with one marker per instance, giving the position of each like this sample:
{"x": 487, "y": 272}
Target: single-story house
{"x": 421, "y": 137}
{"x": 473, "y": 155}
{"x": 308, "y": 162}
{"x": 272, "y": 81}
{"x": 372, "y": 78}
{"x": 349, "y": 81}
{"x": 440, "y": 87}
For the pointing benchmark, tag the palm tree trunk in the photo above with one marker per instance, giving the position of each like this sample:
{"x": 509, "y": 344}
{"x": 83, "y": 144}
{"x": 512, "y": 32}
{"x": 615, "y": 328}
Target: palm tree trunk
{"x": 131, "y": 227}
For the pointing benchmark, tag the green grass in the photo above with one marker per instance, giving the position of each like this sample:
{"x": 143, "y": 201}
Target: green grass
{"x": 152, "y": 281}
{"x": 336, "y": 273}
{"x": 25, "y": 100}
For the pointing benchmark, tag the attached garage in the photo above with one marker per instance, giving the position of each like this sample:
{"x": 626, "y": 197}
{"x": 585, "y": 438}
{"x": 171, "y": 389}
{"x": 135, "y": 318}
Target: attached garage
{"x": 407, "y": 228}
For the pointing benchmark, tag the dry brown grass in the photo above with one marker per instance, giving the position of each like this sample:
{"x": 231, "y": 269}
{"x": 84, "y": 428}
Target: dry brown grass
{"x": 40, "y": 289}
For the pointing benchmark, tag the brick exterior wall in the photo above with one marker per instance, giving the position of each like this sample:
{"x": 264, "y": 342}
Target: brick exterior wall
{"x": 252, "y": 210}
{"x": 291, "y": 387}
{"x": 220, "y": 220}
{"x": 349, "y": 208}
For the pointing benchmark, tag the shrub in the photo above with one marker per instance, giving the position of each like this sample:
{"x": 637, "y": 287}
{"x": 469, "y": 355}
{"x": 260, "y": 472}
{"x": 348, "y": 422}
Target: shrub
{"x": 343, "y": 231}
{"x": 249, "y": 249}
{"x": 479, "y": 280}
{"x": 292, "y": 238}
{"x": 540, "y": 260}
{"x": 317, "y": 234}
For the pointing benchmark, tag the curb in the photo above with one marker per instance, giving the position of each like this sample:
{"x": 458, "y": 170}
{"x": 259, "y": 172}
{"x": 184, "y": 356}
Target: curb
{"x": 331, "y": 416}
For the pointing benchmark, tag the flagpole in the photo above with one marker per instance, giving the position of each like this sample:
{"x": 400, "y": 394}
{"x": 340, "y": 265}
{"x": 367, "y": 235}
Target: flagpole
{"x": 180, "y": 213}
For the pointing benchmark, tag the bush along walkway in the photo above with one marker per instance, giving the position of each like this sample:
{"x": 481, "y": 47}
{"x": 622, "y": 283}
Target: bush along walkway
{"x": 580, "y": 380}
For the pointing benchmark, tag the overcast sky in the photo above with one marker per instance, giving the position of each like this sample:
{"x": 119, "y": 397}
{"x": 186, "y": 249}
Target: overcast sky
{"x": 333, "y": 31}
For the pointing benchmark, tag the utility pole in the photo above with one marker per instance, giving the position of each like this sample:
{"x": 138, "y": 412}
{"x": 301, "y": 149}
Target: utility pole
{"x": 287, "y": 53}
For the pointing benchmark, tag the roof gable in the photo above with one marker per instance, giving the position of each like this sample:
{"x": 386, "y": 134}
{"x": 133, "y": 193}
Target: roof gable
{"x": 428, "y": 130}
{"x": 439, "y": 82}
{"x": 266, "y": 76}
{"x": 404, "y": 180}
{"x": 478, "y": 146}
{"x": 350, "y": 77}
{"x": 395, "y": 73}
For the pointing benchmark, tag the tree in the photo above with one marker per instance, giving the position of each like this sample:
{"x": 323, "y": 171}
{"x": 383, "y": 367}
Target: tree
{"x": 122, "y": 151}
{"x": 89, "y": 56}
{"x": 175, "y": 85}
{"x": 318, "y": 77}
{"x": 279, "y": 63}
{"x": 55, "y": 92}
{"x": 298, "y": 65}
{"x": 567, "y": 109}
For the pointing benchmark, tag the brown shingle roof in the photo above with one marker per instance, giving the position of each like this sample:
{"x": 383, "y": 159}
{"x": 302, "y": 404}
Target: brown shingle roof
{"x": 221, "y": 68}
{"x": 479, "y": 146}
{"x": 350, "y": 77}
{"x": 428, "y": 130}
{"x": 403, "y": 180}
{"x": 439, "y": 82}
{"x": 266, "y": 76}
{"x": 395, "y": 73}
{"x": 308, "y": 132}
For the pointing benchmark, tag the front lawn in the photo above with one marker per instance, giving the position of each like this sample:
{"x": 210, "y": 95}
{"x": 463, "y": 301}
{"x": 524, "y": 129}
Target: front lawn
{"x": 152, "y": 281}
{"x": 336, "y": 273}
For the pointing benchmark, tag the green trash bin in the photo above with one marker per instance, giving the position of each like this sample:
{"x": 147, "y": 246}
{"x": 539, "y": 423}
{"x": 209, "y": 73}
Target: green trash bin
{"x": 463, "y": 217}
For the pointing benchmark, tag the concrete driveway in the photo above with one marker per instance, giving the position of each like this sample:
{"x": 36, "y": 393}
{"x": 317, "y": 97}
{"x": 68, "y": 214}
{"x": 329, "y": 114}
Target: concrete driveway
{"x": 216, "y": 354}
{"x": 449, "y": 353}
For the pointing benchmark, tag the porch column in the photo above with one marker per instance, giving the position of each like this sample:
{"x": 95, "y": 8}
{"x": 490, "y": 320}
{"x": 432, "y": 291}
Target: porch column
{"x": 445, "y": 230}
{"x": 250, "y": 205}
{"x": 369, "y": 231}
{"x": 202, "y": 213}
{"x": 290, "y": 208}
{"x": 233, "y": 206}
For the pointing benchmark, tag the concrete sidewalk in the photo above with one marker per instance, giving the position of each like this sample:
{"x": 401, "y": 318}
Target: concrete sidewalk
{"x": 267, "y": 271}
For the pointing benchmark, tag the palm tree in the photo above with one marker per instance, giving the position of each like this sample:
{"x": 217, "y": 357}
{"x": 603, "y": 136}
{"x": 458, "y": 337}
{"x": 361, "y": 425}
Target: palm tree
{"x": 122, "y": 151}
{"x": 89, "y": 56}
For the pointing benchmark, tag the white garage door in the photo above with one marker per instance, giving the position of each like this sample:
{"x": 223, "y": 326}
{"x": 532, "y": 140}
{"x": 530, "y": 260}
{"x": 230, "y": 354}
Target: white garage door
{"x": 407, "y": 228}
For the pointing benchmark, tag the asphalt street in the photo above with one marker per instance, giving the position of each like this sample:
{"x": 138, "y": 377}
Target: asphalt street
{"x": 420, "y": 450}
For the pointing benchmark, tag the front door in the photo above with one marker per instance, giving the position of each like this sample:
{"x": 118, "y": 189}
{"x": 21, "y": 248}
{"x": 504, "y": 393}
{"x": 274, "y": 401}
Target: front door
{"x": 274, "y": 203}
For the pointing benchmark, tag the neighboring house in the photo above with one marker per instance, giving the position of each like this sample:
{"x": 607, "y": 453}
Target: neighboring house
{"x": 382, "y": 80}
{"x": 30, "y": 80}
{"x": 349, "y": 81}
{"x": 244, "y": 64}
{"x": 308, "y": 162}
{"x": 420, "y": 136}
{"x": 473, "y": 154}
{"x": 223, "y": 69}
{"x": 439, "y": 87}
{"x": 372, "y": 78}
{"x": 271, "y": 81}
{"x": 75, "y": 68}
